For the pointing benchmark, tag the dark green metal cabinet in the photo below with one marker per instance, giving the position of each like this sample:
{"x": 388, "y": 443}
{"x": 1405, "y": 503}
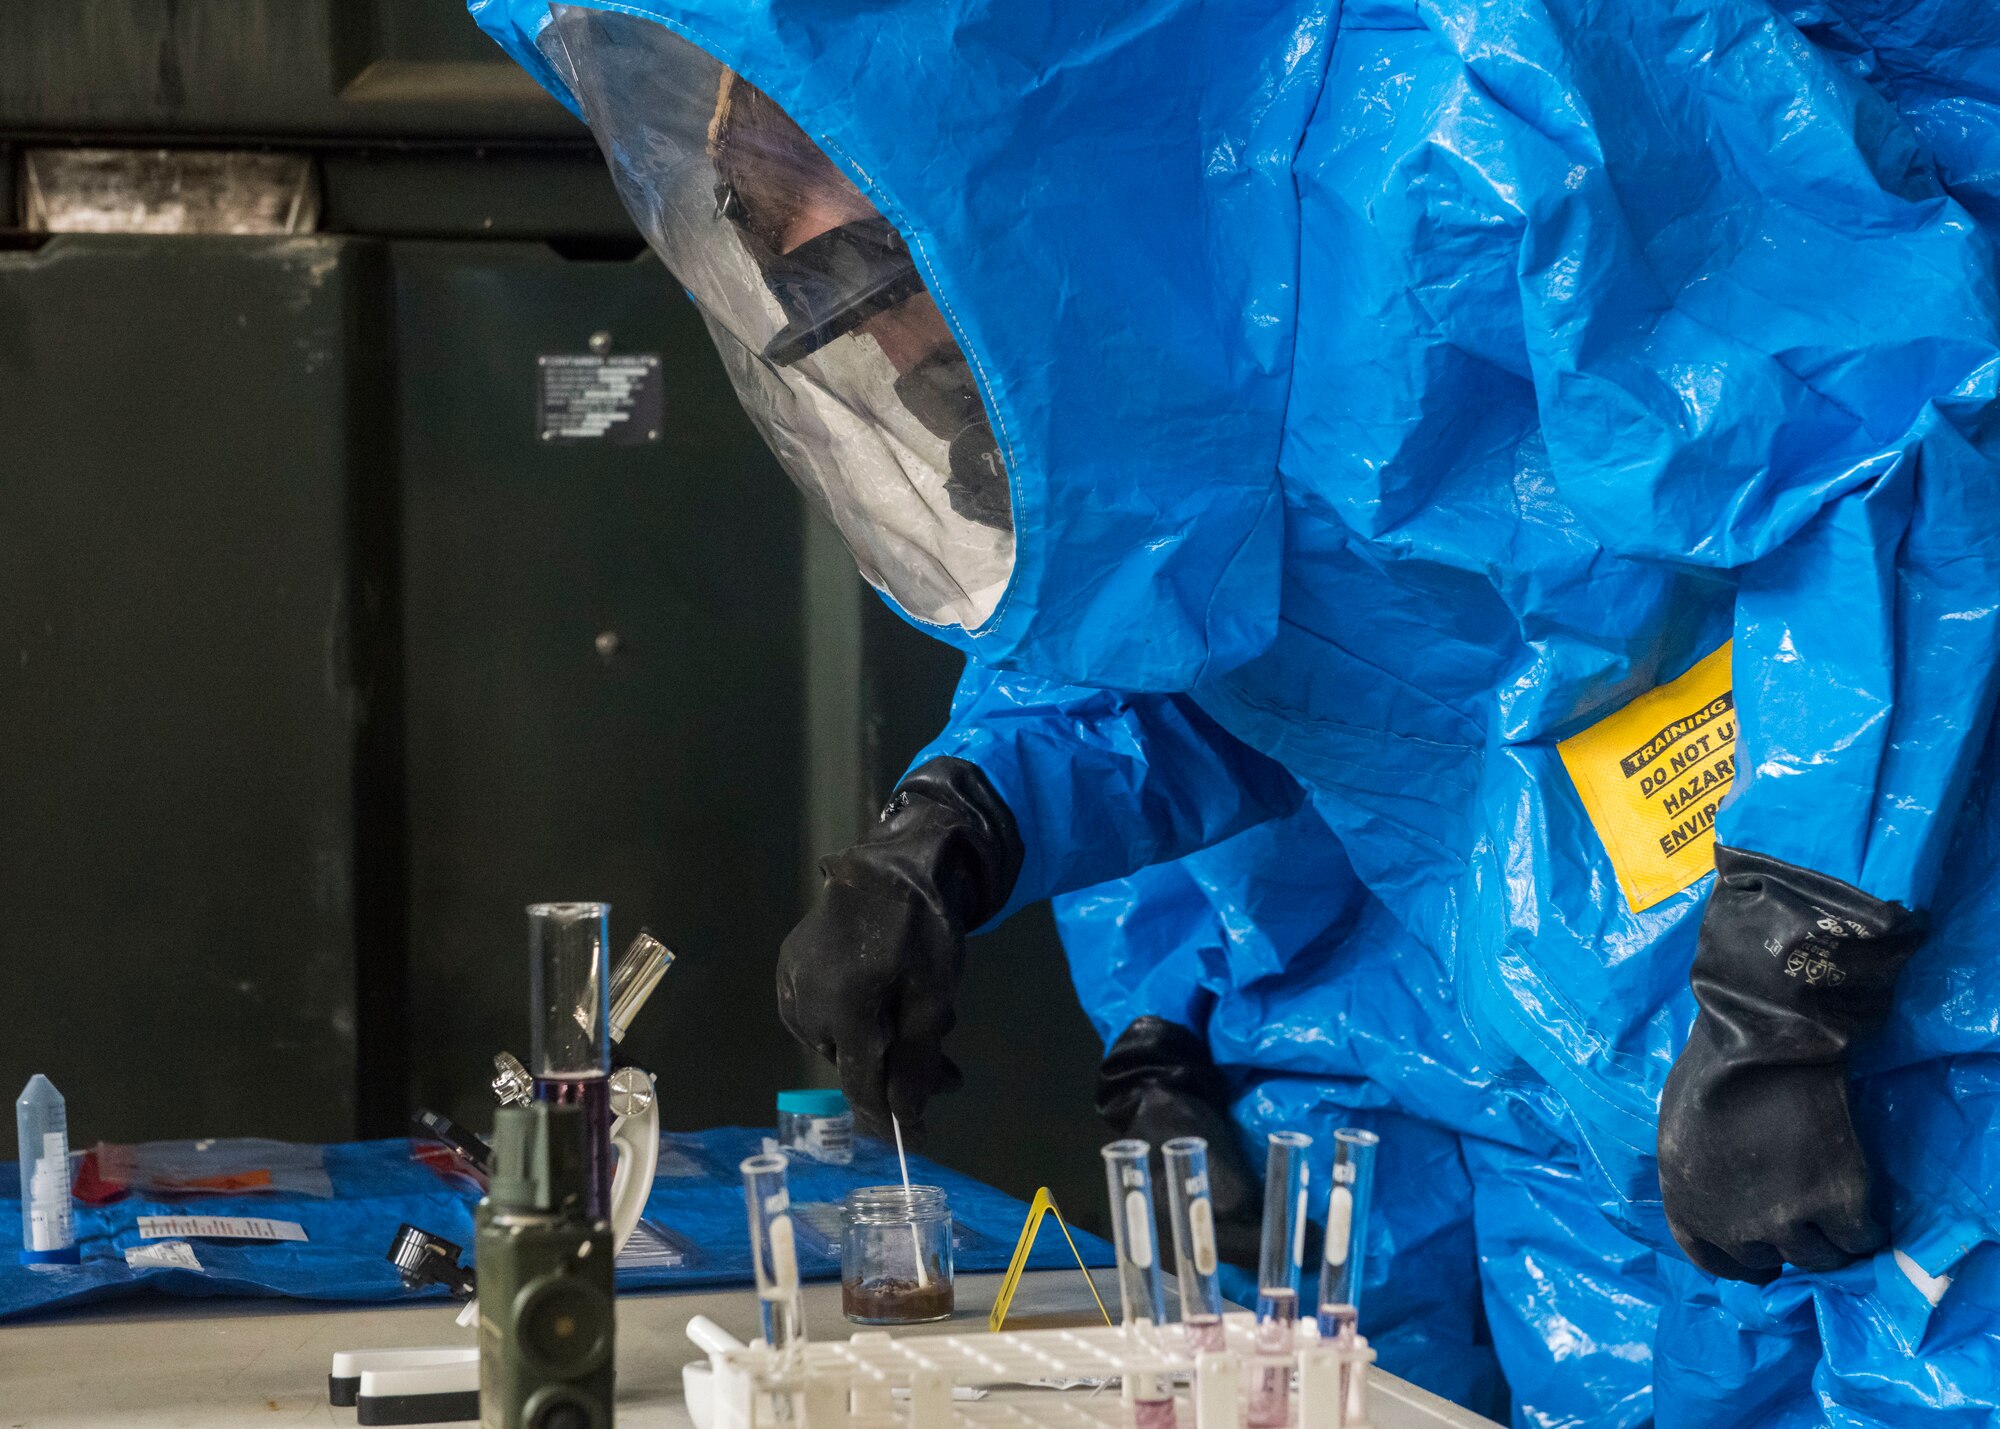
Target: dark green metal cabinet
{"x": 342, "y": 69}
{"x": 189, "y": 434}
{"x": 323, "y": 663}
{"x": 601, "y": 655}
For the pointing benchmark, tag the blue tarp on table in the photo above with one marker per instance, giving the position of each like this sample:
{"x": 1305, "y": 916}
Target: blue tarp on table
{"x": 696, "y": 1206}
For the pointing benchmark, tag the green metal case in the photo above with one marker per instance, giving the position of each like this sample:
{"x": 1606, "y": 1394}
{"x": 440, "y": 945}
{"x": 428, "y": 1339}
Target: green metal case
{"x": 547, "y": 1325}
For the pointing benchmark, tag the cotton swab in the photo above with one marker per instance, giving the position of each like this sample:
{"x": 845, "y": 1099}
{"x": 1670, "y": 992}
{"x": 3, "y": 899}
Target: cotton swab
{"x": 909, "y": 1203}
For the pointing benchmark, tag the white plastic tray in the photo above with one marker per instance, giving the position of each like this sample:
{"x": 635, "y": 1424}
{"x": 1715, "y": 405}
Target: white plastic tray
{"x": 874, "y": 1380}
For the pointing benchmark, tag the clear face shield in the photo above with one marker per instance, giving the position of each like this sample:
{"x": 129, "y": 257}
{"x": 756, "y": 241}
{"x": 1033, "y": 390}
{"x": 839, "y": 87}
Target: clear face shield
{"x": 836, "y": 348}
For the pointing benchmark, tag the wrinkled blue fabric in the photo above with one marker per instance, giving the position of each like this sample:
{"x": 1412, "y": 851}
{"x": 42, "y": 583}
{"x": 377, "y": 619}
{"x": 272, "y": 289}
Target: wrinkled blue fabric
{"x": 694, "y": 1214}
{"x": 1155, "y": 945}
{"x": 1420, "y": 1309}
{"x": 1366, "y": 1018}
{"x": 1487, "y": 1247}
{"x": 1938, "y": 62}
{"x": 377, "y": 1186}
{"x": 1139, "y": 779}
{"x": 1406, "y": 386}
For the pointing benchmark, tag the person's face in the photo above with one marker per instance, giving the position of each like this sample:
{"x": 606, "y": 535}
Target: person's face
{"x": 906, "y": 333}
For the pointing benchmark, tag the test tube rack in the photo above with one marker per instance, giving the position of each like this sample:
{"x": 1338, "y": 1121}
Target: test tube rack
{"x": 876, "y": 1381}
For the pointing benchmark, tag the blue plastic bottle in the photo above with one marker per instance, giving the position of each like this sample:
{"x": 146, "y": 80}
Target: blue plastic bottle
{"x": 41, "y": 1118}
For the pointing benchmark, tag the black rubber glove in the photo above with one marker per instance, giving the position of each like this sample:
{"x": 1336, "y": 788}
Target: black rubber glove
{"x": 1759, "y": 1162}
{"x": 869, "y": 978}
{"x": 1158, "y": 1082}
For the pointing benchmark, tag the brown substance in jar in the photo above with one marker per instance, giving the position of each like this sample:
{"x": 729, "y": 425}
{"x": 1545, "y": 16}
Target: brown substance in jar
{"x": 889, "y": 1301}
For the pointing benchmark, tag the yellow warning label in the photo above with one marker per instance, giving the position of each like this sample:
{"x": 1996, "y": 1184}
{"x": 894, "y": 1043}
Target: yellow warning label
{"x": 1652, "y": 777}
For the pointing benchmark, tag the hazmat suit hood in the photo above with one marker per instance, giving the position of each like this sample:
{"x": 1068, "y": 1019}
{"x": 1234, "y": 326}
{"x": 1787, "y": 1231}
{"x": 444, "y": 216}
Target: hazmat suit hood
{"x": 1121, "y": 295}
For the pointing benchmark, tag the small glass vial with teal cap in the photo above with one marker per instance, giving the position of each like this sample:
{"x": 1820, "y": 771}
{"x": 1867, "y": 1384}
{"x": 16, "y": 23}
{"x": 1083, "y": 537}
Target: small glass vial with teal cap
{"x": 817, "y": 1124}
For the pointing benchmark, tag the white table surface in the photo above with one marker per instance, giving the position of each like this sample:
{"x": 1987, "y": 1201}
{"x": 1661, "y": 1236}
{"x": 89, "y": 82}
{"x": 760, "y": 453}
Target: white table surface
{"x": 217, "y": 1364}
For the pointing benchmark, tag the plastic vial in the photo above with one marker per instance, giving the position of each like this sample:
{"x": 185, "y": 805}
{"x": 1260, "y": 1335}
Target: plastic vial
{"x": 1279, "y": 1261}
{"x": 1194, "y": 1241}
{"x": 1129, "y": 1181}
{"x": 1346, "y": 1225}
{"x": 895, "y": 1256}
{"x": 42, "y": 1120}
{"x": 774, "y": 1249}
{"x": 569, "y": 968}
{"x": 817, "y": 1125}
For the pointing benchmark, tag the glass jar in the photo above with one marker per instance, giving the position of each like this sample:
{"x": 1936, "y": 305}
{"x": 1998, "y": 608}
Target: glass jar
{"x": 895, "y": 1258}
{"x": 816, "y": 1124}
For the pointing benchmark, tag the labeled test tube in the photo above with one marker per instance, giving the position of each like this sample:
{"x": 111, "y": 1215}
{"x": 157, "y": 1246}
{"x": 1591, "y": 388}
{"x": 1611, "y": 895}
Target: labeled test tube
{"x": 1130, "y": 1183}
{"x": 1286, "y": 1182}
{"x": 1186, "y": 1160}
{"x": 774, "y": 1249}
{"x": 1346, "y": 1228}
{"x": 569, "y": 969}
{"x": 1281, "y": 1255}
{"x": 41, "y": 1119}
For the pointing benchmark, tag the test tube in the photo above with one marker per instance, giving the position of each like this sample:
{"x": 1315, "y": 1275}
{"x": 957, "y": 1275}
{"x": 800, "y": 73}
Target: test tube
{"x": 774, "y": 1249}
{"x": 1130, "y": 1183}
{"x": 1194, "y": 1241}
{"x": 1346, "y": 1226}
{"x": 41, "y": 1120}
{"x": 569, "y": 965}
{"x": 1279, "y": 1260}
{"x": 1283, "y": 1249}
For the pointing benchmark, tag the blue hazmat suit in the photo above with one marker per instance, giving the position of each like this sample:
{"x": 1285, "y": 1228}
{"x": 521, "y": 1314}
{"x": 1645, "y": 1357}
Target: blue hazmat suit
{"x": 1386, "y": 394}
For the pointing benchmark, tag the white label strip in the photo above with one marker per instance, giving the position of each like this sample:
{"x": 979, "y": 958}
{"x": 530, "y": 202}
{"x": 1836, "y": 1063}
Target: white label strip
{"x": 218, "y": 1228}
{"x": 172, "y": 1254}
